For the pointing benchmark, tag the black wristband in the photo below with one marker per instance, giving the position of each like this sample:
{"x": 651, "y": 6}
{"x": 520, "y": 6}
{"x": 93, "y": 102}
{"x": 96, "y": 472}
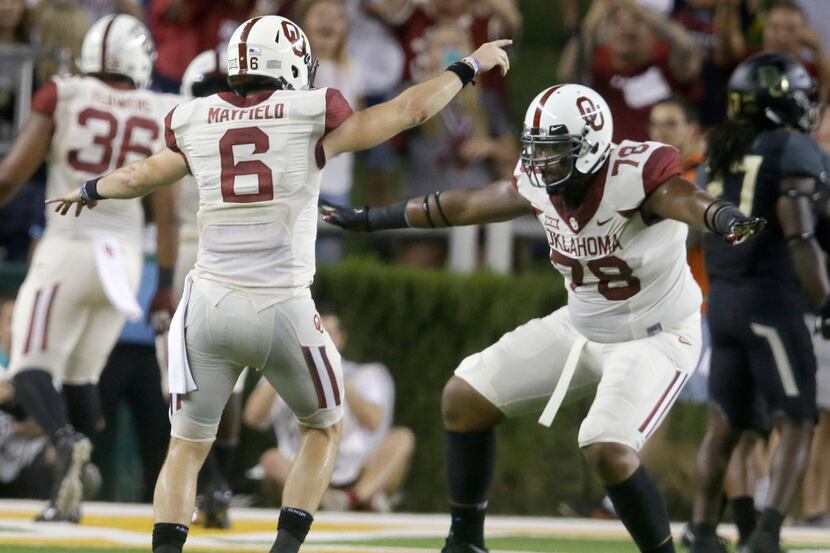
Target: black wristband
{"x": 165, "y": 278}
{"x": 387, "y": 217}
{"x": 89, "y": 190}
{"x": 466, "y": 73}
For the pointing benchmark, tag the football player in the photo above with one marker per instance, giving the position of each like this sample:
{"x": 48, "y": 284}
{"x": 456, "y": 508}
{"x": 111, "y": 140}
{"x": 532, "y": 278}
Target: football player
{"x": 615, "y": 216}
{"x": 764, "y": 158}
{"x": 84, "y": 276}
{"x": 257, "y": 155}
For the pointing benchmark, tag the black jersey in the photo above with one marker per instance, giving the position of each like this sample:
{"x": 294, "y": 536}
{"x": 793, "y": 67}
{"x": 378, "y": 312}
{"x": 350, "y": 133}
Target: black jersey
{"x": 754, "y": 185}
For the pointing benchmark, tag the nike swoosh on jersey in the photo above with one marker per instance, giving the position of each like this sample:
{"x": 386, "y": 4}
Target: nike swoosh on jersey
{"x": 600, "y": 223}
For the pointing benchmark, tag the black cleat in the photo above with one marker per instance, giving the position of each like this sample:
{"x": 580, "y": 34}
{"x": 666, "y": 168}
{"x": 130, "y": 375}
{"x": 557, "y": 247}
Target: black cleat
{"x": 455, "y": 547}
{"x": 762, "y": 541}
{"x": 688, "y": 539}
{"x": 707, "y": 544}
{"x": 212, "y": 509}
{"x": 72, "y": 451}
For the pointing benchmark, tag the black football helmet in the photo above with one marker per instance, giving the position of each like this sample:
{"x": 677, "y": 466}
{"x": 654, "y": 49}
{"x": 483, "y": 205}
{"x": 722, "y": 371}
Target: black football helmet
{"x": 774, "y": 90}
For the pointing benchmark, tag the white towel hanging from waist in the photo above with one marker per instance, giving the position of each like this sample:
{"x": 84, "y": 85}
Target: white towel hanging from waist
{"x": 565, "y": 378}
{"x": 179, "y": 378}
{"x": 112, "y": 272}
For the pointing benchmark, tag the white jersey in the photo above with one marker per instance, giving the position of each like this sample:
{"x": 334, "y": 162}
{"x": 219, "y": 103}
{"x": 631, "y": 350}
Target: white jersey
{"x": 188, "y": 206}
{"x": 626, "y": 279}
{"x": 257, "y": 162}
{"x": 98, "y": 128}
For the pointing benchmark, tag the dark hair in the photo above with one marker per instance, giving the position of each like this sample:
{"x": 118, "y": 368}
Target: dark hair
{"x": 244, "y": 84}
{"x": 689, "y": 111}
{"x": 727, "y": 143}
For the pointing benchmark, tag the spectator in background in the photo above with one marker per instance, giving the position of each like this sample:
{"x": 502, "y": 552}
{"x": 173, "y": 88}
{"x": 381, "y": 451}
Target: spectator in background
{"x": 717, "y": 29}
{"x": 6, "y": 309}
{"x": 58, "y": 24}
{"x": 637, "y": 58}
{"x": 457, "y": 149}
{"x": 373, "y": 457}
{"x": 25, "y": 211}
{"x": 786, "y": 30}
{"x": 327, "y": 27}
{"x": 96, "y": 9}
{"x": 183, "y": 29}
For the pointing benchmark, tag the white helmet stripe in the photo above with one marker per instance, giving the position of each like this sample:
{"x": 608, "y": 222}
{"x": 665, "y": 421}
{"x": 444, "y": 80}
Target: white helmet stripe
{"x": 243, "y": 44}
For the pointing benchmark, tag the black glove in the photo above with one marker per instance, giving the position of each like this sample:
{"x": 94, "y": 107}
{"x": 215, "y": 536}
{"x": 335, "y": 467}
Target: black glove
{"x": 823, "y": 320}
{"x": 743, "y": 228}
{"x": 347, "y": 218}
{"x": 728, "y": 221}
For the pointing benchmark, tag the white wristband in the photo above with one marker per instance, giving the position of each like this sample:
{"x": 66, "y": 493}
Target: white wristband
{"x": 472, "y": 62}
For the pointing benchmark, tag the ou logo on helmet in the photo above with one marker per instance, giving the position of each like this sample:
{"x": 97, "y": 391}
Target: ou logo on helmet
{"x": 293, "y": 35}
{"x": 590, "y": 112}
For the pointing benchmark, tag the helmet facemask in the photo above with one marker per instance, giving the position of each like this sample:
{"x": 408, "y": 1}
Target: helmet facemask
{"x": 550, "y": 159}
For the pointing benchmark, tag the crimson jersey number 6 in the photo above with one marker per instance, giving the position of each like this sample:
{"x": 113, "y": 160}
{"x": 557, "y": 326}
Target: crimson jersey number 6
{"x": 608, "y": 270}
{"x": 231, "y": 169}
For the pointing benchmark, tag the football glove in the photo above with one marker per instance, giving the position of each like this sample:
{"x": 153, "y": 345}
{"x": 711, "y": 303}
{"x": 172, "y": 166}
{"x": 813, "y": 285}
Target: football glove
{"x": 742, "y": 228}
{"x": 348, "y": 218}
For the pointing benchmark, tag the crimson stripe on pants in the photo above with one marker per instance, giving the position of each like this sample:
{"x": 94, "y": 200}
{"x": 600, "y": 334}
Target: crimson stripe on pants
{"x": 45, "y": 339}
{"x": 312, "y": 369}
{"x": 330, "y": 371}
{"x": 28, "y": 343}
{"x": 659, "y": 403}
{"x": 668, "y": 406}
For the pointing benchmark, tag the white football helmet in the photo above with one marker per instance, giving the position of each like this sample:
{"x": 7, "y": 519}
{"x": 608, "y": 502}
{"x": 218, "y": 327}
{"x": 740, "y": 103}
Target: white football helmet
{"x": 275, "y": 47}
{"x": 206, "y": 75}
{"x": 576, "y": 119}
{"x": 119, "y": 44}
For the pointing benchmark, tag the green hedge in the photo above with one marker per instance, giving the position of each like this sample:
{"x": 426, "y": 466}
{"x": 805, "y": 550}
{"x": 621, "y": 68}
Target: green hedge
{"x": 421, "y": 324}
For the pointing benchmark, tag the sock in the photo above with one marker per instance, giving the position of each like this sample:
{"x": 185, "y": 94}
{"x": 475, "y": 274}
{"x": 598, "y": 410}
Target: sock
{"x": 743, "y": 511}
{"x": 642, "y": 510}
{"x": 471, "y": 462}
{"x": 84, "y": 408}
{"x": 292, "y": 529}
{"x": 771, "y": 521}
{"x": 41, "y": 401}
{"x": 467, "y": 524}
{"x": 168, "y": 537}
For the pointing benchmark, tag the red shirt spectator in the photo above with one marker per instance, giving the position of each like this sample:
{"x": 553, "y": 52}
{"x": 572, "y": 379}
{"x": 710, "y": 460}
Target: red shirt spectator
{"x": 176, "y": 27}
{"x": 631, "y": 93}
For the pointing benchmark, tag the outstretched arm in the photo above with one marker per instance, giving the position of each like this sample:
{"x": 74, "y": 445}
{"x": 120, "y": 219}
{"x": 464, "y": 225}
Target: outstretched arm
{"x": 131, "y": 181}
{"x": 499, "y": 201}
{"x": 682, "y": 201}
{"x": 370, "y": 127}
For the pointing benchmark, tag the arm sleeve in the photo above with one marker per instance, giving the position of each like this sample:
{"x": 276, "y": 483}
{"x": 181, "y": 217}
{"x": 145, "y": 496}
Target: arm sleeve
{"x": 661, "y": 165}
{"x": 45, "y": 100}
{"x": 337, "y": 111}
{"x": 169, "y": 135}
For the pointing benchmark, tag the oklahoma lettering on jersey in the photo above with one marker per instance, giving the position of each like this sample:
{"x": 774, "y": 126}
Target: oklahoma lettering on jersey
{"x": 98, "y": 128}
{"x": 626, "y": 279}
{"x": 257, "y": 163}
